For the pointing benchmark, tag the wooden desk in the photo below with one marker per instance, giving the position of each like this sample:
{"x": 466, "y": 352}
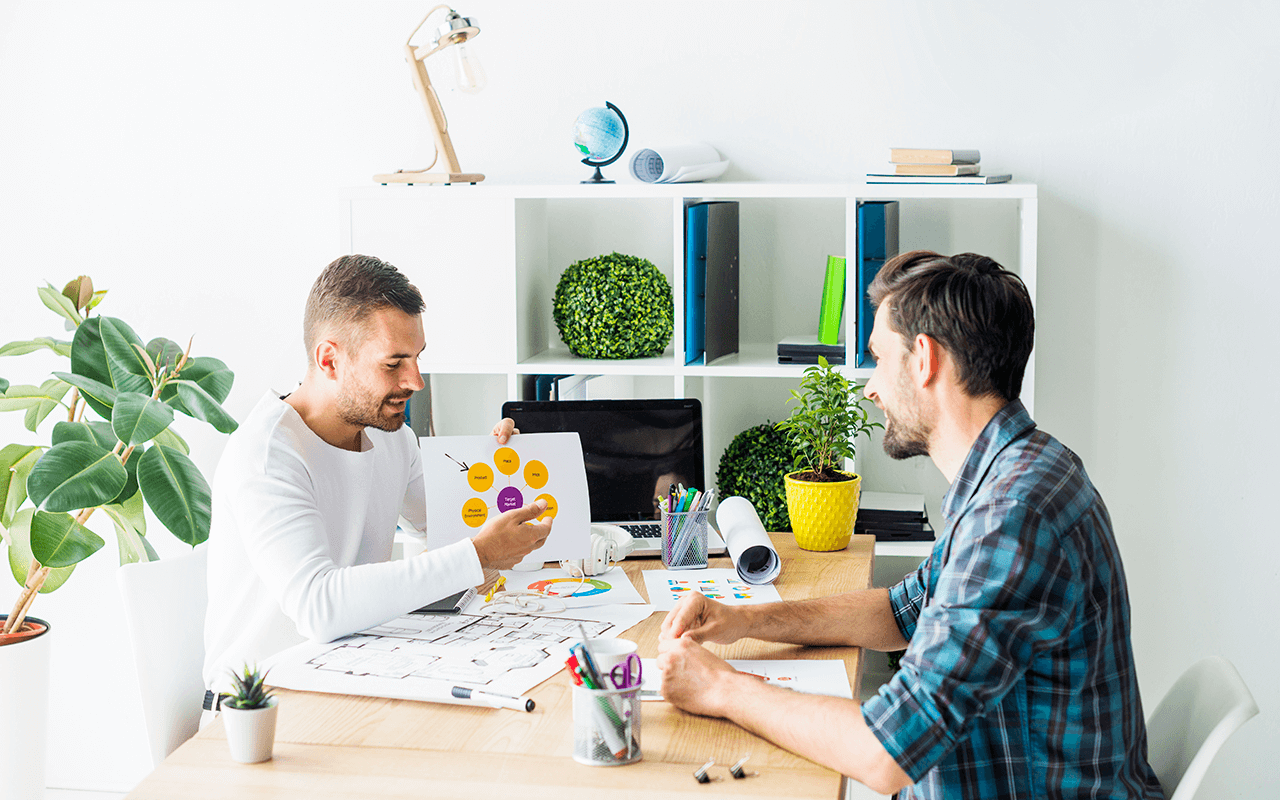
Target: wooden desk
{"x": 335, "y": 746}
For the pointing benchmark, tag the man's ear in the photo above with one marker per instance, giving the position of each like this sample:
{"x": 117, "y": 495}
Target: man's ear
{"x": 927, "y": 364}
{"x": 326, "y": 358}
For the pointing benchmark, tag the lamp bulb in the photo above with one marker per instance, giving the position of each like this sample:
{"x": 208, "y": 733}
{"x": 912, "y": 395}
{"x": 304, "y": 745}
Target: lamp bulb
{"x": 468, "y": 75}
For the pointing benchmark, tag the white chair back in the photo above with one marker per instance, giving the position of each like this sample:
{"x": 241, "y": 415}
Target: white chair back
{"x": 1205, "y": 706}
{"x": 164, "y": 603}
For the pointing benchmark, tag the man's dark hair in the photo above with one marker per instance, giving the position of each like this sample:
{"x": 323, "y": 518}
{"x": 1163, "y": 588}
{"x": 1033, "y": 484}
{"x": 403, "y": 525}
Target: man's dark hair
{"x": 348, "y": 291}
{"x": 977, "y": 310}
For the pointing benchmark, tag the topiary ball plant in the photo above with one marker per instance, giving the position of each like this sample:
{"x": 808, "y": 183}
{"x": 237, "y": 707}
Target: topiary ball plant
{"x": 753, "y": 466}
{"x": 614, "y": 306}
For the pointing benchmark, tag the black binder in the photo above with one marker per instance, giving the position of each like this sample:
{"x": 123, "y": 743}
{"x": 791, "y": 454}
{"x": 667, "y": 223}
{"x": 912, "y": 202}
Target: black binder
{"x": 716, "y": 308}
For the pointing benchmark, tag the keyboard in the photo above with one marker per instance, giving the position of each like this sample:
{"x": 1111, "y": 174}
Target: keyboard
{"x": 643, "y": 530}
{"x": 648, "y": 538}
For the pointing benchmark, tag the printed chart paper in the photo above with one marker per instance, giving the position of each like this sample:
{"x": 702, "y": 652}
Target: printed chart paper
{"x": 421, "y": 656}
{"x": 722, "y": 585}
{"x": 471, "y": 479}
{"x": 825, "y": 676}
{"x": 608, "y": 588}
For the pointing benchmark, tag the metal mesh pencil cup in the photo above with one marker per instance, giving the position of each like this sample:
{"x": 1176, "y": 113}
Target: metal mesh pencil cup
{"x": 684, "y": 539}
{"x": 606, "y": 726}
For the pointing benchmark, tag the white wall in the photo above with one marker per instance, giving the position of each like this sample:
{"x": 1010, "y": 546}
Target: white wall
{"x": 187, "y": 156}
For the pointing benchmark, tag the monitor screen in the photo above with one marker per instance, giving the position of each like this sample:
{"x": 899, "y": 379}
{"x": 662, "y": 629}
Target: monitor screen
{"x": 633, "y": 449}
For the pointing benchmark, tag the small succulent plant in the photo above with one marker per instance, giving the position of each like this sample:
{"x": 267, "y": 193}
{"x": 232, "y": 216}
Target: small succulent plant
{"x": 248, "y": 689}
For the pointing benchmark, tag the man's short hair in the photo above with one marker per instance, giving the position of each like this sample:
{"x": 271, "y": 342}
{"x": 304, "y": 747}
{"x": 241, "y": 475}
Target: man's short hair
{"x": 977, "y": 310}
{"x": 347, "y": 292}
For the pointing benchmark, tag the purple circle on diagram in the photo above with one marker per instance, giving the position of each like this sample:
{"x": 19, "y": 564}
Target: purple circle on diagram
{"x": 509, "y": 498}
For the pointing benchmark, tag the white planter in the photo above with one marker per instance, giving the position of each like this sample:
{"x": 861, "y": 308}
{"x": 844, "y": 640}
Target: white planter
{"x": 24, "y": 715}
{"x": 251, "y": 732}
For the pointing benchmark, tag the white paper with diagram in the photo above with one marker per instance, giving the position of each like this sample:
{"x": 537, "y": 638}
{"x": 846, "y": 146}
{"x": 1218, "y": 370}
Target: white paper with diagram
{"x": 471, "y": 479}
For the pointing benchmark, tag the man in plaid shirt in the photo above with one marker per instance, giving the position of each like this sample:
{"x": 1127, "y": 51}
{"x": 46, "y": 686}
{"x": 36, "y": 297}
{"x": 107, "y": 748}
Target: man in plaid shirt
{"x": 1018, "y": 679}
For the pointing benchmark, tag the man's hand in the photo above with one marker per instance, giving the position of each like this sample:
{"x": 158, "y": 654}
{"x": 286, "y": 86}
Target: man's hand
{"x": 693, "y": 678}
{"x": 703, "y": 620}
{"x": 505, "y": 429}
{"x": 511, "y": 536}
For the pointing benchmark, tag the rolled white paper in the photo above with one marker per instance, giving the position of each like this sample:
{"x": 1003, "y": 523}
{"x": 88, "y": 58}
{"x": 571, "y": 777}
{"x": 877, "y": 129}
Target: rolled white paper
{"x": 749, "y": 547}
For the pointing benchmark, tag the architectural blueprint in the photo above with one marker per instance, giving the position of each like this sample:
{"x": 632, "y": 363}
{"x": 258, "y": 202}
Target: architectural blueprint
{"x": 421, "y": 656}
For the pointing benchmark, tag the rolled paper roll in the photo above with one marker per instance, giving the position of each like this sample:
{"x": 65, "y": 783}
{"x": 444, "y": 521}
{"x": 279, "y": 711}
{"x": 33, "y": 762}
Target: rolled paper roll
{"x": 749, "y": 547}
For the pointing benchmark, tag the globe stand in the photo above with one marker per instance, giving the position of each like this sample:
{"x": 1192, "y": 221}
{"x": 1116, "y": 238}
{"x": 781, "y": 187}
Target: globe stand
{"x": 626, "y": 135}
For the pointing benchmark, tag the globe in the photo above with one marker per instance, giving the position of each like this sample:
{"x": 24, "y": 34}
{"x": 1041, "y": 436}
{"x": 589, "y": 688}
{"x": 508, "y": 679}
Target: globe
{"x": 600, "y": 134}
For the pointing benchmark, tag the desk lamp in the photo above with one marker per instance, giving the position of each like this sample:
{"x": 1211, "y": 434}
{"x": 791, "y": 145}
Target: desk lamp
{"x": 453, "y": 34}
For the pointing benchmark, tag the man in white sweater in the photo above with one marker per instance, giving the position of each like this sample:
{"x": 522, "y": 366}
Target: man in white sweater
{"x": 309, "y": 490}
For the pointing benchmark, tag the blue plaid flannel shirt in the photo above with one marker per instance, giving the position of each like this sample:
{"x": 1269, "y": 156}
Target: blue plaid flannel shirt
{"x": 1018, "y": 680}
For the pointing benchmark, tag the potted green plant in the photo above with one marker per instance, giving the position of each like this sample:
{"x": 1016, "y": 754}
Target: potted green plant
{"x": 111, "y": 448}
{"x": 753, "y": 467}
{"x": 614, "y": 306}
{"x": 249, "y": 716}
{"x": 822, "y": 499}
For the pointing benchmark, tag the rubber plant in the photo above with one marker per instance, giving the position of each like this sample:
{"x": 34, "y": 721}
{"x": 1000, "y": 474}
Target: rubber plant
{"x": 111, "y": 448}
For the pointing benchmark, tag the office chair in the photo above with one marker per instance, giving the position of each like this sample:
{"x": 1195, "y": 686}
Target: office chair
{"x": 165, "y": 605}
{"x": 1205, "y": 706}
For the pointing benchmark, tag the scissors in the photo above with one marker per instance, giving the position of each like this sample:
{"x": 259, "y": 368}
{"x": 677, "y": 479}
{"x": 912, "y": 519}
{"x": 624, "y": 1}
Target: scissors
{"x": 628, "y": 674}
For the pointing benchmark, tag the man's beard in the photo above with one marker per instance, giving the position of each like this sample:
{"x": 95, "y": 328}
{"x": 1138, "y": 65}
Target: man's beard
{"x": 907, "y": 437}
{"x": 363, "y": 408}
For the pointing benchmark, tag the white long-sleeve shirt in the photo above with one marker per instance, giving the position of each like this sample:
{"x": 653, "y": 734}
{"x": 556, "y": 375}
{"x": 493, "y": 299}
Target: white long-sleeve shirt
{"x": 301, "y": 537}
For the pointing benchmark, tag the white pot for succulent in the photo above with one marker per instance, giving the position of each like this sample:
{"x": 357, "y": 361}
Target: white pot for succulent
{"x": 251, "y": 732}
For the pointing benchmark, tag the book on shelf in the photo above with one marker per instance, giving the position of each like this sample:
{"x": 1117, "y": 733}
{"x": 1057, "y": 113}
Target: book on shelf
{"x": 938, "y": 179}
{"x": 711, "y": 280}
{"x": 916, "y": 155}
{"x": 806, "y": 349}
{"x": 947, "y": 170}
{"x": 877, "y": 243}
{"x": 832, "y": 308}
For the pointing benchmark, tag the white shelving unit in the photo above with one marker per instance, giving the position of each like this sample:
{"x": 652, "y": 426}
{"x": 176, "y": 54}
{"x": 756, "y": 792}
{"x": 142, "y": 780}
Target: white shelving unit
{"x": 488, "y": 257}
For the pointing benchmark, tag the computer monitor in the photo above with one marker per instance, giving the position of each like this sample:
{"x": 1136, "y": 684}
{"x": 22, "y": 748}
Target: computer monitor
{"x": 633, "y": 449}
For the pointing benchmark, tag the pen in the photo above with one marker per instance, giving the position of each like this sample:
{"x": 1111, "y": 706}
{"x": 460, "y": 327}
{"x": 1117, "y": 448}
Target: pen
{"x": 611, "y": 726}
{"x": 495, "y": 700}
{"x": 684, "y": 532}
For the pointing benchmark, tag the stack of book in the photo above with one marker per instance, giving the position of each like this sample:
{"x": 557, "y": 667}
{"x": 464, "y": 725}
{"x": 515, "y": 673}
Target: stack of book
{"x": 806, "y": 349}
{"x": 893, "y": 517}
{"x": 914, "y": 165}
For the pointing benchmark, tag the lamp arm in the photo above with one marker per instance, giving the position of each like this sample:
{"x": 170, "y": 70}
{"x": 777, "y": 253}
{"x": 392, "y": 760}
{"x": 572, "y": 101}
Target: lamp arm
{"x": 435, "y": 114}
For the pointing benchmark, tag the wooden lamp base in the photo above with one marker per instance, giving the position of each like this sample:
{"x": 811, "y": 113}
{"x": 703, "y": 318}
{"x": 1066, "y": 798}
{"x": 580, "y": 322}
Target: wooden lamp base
{"x": 429, "y": 177}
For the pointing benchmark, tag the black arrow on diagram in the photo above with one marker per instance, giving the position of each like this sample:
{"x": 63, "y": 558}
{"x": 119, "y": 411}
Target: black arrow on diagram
{"x": 462, "y": 464}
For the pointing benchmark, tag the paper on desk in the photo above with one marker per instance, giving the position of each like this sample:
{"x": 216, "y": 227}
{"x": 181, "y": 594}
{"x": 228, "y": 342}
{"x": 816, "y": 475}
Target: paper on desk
{"x": 823, "y": 676}
{"x": 471, "y": 479}
{"x": 421, "y": 656}
{"x": 608, "y": 588}
{"x": 665, "y": 587}
{"x": 749, "y": 547}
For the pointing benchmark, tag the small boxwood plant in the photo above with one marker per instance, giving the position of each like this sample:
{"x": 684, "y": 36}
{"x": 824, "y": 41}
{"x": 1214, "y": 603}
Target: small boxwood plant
{"x": 614, "y": 306}
{"x": 753, "y": 467}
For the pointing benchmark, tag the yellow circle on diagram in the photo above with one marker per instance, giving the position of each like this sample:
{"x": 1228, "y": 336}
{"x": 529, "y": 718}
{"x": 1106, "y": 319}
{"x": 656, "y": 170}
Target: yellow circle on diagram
{"x": 506, "y": 460}
{"x": 552, "y": 508}
{"x": 480, "y": 476}
{"x": 474, "y": 512}
{"x": 535, "y": 474}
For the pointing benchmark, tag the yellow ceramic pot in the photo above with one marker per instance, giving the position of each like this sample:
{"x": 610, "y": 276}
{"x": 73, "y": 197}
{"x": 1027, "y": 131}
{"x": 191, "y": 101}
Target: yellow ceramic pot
{"x": 823, "y": 513}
